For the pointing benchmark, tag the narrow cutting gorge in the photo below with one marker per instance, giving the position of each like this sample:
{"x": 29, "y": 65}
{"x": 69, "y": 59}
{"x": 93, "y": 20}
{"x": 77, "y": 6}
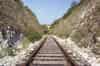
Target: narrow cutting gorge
{"x": 72, "y": 40}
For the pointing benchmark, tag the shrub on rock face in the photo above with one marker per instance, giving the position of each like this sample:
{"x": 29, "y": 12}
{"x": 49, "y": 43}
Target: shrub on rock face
{"x": 10, "y": 51}
{"x": 76, "y": 36}
{"x": 7, "y": 52}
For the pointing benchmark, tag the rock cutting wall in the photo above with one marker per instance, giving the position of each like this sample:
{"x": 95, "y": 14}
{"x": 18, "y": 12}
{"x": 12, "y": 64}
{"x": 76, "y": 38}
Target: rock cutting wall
{"x": 15, "y": 20}
{"x": 82, "y": 25}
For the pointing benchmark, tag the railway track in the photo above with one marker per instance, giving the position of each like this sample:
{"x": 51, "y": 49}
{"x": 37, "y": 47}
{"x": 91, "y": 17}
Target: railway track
{"x": 49, "y": 54}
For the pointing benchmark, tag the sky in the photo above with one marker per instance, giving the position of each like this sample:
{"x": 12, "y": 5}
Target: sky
{"x": 47, "y": 11}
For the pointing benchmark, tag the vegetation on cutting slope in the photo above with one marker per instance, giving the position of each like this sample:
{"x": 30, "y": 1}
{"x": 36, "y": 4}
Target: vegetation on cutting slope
{"x": 34, "y": 30}
{"x": 70, "y": 10}
{"x": 20, "y": 20}
{"x": 65, "y": 23}
{"x": 54, "y": 23}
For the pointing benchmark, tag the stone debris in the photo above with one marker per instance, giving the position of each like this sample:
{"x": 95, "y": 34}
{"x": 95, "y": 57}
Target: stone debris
{"x": 21, "y": 57}
{"x": 81, "y": 56}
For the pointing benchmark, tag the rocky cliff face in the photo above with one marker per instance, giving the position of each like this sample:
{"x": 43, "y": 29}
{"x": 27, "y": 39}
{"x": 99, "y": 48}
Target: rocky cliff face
{"x": 82, "y": 25}
{"x": 15, "y": 20}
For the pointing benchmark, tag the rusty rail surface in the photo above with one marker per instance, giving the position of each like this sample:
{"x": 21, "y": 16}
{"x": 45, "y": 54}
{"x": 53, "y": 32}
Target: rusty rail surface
{"x": 66, "y": 54}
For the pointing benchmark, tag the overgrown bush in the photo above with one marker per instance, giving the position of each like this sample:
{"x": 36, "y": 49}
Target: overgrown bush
{"x": 33, "y": 36}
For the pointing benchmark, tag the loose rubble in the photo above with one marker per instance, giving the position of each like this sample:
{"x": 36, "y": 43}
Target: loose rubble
{"x": 81, "y": 56}
{"x": 21, "y": 56}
